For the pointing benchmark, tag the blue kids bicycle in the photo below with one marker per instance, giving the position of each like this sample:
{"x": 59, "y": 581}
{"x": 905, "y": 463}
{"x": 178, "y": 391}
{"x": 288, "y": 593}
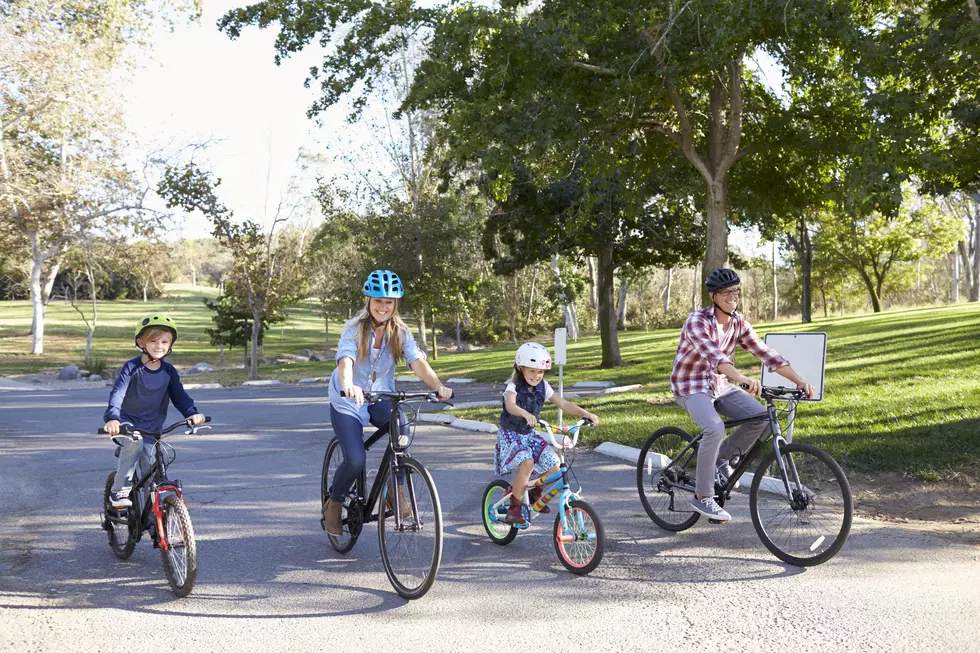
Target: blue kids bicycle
{"x": 578, "y": 535}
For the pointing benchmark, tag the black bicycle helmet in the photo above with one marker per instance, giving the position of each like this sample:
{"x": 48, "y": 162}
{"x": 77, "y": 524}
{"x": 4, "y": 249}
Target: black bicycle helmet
{"x": 720, "y": 279}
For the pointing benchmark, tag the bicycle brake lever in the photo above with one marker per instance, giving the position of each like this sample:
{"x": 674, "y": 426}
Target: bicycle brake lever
{"x": 195, "y": 429}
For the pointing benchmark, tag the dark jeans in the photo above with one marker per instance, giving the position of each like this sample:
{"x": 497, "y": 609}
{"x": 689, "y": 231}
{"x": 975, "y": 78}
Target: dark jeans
{"x": 350, "y": 433}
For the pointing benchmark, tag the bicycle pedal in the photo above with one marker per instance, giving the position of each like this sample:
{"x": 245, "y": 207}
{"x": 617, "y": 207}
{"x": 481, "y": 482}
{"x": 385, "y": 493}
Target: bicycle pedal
{"x": 717, "y": 521}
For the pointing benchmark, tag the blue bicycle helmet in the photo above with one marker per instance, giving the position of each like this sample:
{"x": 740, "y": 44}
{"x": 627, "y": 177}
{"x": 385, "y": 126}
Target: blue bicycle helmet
{"x": 384, "y": 283}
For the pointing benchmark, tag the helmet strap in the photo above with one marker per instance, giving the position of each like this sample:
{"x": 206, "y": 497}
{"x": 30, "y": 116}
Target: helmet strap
{"x": 722, "y": 310}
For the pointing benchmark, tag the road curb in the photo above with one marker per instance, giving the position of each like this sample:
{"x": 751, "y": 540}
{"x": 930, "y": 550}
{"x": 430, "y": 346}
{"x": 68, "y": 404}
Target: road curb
{"x": 202, "y": 386}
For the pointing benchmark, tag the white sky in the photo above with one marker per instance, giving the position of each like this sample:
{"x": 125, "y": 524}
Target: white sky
{"x": 197, "y": 84}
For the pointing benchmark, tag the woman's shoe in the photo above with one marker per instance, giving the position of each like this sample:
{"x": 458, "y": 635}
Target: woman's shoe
{"x": 332, "y": 518}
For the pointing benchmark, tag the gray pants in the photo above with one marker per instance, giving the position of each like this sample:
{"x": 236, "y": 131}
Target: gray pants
{"x": 132, "y": 452}
{"x": 733, "y": 403}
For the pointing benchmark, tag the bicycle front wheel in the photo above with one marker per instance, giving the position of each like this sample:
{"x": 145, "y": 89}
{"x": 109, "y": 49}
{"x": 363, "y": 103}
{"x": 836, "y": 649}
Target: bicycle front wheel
{"x": 411, "y": 541}
{"x": 122, "y": 536}
{"x": 180, "y": 557}
{"x": 581, "y": 546}
{"x": 666, "y": 504}
{"x": 332, "y": 460}
{"x": 809, "y": 525}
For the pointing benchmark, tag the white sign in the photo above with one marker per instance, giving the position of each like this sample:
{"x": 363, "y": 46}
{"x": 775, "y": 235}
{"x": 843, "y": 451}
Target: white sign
{"x": 806, "y": 353}
{"x": 560, "y": 355}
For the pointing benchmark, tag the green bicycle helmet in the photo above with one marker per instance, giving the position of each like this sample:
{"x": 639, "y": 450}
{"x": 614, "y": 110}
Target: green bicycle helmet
{"x": 155, "y": 320}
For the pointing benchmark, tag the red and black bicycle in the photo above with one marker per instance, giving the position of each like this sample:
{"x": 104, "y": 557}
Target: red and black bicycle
{"x": 158, "y": 508}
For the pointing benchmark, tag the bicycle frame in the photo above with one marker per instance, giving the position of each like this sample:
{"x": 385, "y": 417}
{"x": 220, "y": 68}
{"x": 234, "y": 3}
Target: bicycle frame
{"x": 746, "y": 460}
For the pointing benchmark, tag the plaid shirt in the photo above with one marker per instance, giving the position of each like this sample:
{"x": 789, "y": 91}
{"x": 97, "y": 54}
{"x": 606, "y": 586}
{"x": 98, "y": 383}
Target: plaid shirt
{"x": 703, "y": 347}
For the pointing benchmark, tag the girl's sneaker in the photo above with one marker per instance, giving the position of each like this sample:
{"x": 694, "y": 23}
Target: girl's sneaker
{"x": 120, "y": 499}
{"x": 710, "y": 508}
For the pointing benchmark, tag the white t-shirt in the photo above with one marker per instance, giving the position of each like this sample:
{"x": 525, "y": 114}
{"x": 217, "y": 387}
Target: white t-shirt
{"x": 548, "y": 391}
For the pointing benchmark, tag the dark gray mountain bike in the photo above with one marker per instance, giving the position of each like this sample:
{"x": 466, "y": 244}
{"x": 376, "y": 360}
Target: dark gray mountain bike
{"x": 799, "y": 498}
{"x": 408, "y": 512}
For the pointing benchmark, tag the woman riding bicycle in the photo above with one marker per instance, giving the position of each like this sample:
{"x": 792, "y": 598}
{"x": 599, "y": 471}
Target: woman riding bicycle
{"x": 372, "y": 341}
{"x": 705, "y": 357}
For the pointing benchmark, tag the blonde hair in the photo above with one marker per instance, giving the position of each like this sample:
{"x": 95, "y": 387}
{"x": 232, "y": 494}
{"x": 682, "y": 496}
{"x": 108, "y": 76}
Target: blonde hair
{"x": 395, "y": 328}
{"x": 153, "y": 333}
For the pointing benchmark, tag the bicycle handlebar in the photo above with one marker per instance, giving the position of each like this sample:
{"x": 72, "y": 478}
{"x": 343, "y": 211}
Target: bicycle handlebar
{"x": 574, "y": 429}
{"x": 127, "y": 429}
{"x": 778, "y": 392}
{"x": 401, "y": 395}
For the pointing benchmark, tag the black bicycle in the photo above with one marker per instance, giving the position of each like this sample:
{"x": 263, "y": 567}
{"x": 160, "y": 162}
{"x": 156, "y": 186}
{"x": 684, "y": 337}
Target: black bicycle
{"x": 799, "y": 498}
{"x": 158, "y": 508}
{"x": 409, "y": 515}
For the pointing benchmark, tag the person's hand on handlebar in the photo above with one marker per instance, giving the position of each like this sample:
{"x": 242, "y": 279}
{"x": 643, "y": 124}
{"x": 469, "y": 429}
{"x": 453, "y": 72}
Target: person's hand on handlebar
{"x": 444, "y": 393}
{"x": 807, "y": 388}
{"x": 531, "y": 420}
{"x": 194, "y": 420}
{"x": 112, "y": 427}
{"x": 355, "y": 394}
{"x": 592, "y": 417}
{"x": 752, "y": 386}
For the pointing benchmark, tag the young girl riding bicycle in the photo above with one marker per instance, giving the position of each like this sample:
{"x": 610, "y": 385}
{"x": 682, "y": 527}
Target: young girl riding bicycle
{"x": 517, "y": 443}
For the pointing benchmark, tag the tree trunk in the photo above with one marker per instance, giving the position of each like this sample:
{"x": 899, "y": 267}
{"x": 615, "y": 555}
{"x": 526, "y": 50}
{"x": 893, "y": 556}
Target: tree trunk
{"x": 95, "y": 311}
{"x": 823, "y": 299}
{"x": 567, "y": 305}
{"x": 144, "y": 293}
{"x": 775, "y": 285}
{"x": 624, "y": 287}
{"x": 88, "y": 345}
{"x": 954, "y": 294}
{"x": 593, "y": 291}
{"x": 670, "y": 281}
{"x": 435, "y": 343}
{"x": 967, "y": 267}
{"x": 326, "y": 333}
{"x": 695, "y": 284}
{"x": 716, "y": 251}
{"x": 420, "y": 315}
{"x": 975, "y": 270}
{"x": 37, "y": 301}
{"x": 194, "y": 277}
{"x": 530, "y": 297}
{"x": 253, "y": 370}
{"x": 459, "y": 333}
{"x": 607, "y": 314}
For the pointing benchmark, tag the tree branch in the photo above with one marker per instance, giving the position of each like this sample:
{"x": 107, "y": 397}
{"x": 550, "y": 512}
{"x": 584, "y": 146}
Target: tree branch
{"x": 734, "y": 114}
{"x": 686, "y": 139}
{"x": 595, "y": 69}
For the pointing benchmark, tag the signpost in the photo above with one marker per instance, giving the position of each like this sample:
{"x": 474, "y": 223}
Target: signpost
{"x": 560, "y": 359}
{"x": 807, "y": 354}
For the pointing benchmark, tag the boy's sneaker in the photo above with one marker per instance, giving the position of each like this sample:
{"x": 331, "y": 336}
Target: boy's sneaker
{"x": 724, "y": 473}
{"x": 120, "y": 499}
{"x": 710, "y": 508}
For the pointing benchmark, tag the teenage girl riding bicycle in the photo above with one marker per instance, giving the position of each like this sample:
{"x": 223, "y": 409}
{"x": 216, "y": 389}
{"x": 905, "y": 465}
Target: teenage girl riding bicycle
{"x": 705, "y": 357}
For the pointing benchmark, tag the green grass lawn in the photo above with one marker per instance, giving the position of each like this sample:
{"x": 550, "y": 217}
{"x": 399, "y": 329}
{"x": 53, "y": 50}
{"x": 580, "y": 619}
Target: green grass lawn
{"x": 902, "y": 388}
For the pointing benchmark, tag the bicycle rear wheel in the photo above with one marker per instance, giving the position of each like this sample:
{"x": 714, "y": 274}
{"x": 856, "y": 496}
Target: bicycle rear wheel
{"x": 122, "y": 537}
{"x": 668, "y": 506}
{"x": 411, "y": 551}
{"x": 351, "y": 520}
{"x": 583, "y": 552}
{"x": 494, "y": 523}
{"x": 813, "y": 525}
{"x": 180, "y": 557}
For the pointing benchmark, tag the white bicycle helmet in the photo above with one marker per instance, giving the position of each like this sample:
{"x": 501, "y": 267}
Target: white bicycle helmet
{"x": 533, "y": 354}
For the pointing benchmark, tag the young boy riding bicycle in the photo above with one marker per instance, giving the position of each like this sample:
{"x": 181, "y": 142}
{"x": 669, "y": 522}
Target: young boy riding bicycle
{"x": 140, "y": 397}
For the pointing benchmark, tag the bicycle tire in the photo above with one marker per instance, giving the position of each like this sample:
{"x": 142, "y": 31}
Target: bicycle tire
{"x": 180, "y": 557}
{"x": 819, "y": 475}
{"x": 350, "y": 519}
{"x": 412, "y": 583}
{"x": 578, "y": 556}
{"x": 122, "y": 547}
{"x": 668, "y": 441}
{"x": 495, "y": 524}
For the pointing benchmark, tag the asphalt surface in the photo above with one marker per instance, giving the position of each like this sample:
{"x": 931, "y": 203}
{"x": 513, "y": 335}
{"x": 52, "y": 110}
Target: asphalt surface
{"x": 268, "y": 580}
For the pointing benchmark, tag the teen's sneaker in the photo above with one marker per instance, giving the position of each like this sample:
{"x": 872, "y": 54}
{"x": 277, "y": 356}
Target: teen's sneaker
{"x": 709, "y": 508}
{"x": 120, "y": 499}
{"x": 724, "y": 473}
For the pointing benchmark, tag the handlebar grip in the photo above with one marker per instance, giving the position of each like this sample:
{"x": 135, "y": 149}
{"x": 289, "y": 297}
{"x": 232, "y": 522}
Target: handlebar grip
{"x": 124, "y": 429}
{"x": 207, "y": 418}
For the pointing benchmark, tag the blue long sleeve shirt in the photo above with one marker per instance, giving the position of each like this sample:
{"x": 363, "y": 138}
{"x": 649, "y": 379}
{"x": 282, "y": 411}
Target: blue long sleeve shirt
{"x": 140, "y": 395}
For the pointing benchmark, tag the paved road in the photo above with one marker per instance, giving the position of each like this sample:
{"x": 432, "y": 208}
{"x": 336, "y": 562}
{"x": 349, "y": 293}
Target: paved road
{"x": 268, "y": 580}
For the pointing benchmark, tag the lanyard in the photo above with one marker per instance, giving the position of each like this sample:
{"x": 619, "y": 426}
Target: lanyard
{"x": 372, "y": 360}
